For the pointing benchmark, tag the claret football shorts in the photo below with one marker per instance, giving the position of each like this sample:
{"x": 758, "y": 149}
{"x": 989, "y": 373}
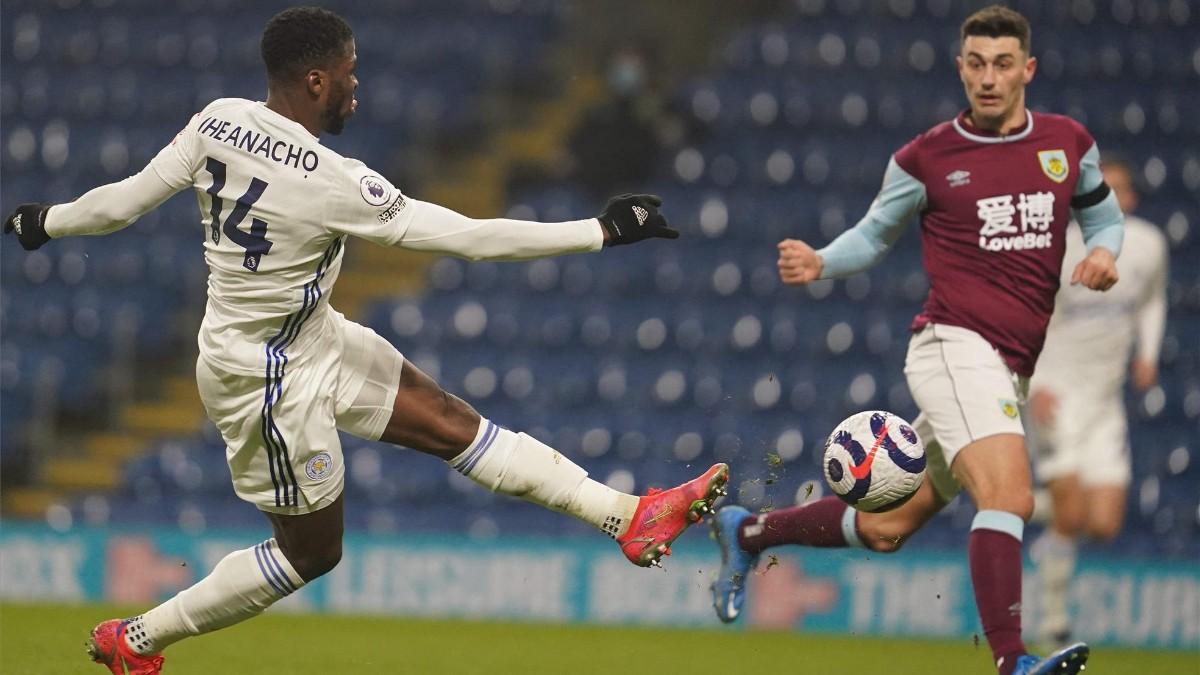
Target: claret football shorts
{"x": 965, "y": 392}
{"x": 281, "y": 432}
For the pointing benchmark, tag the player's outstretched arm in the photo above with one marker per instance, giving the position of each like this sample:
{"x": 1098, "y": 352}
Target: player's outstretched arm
{"x": 436, "y": 229}
{"x": 864, "y": 245}
{"x": 105, "y": 209}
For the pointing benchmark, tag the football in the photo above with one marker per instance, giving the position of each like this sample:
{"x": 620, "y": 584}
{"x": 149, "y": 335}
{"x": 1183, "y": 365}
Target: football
{"x": 874, "y": 461}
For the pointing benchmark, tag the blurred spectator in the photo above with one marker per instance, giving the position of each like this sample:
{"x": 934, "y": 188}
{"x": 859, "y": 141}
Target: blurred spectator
{"x": 617, "y": 143}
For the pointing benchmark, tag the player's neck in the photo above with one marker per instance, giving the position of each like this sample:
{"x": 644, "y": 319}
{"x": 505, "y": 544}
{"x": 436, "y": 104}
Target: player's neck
{"x": 1014, "y": 121}
{"x": 281, "y": 102}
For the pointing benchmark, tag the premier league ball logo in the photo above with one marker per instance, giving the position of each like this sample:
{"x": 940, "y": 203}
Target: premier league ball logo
{"x": 874, "y": 461}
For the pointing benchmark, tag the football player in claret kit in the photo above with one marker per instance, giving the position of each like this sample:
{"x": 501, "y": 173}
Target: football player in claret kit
{"x": 994, "y": 189}
{"x": 280, "y": 372}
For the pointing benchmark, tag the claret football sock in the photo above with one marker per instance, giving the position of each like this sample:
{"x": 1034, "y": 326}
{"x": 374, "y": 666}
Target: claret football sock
{"x": 521, "y": 466}
{"x": 994, "y": 551}
{"x": 240, "y": 587}
{"x": 827, "y": 523}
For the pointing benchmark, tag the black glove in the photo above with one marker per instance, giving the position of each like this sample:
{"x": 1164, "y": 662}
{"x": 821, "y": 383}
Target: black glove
{"x": 29, "y": 222}
{"x": 631, "y": 218}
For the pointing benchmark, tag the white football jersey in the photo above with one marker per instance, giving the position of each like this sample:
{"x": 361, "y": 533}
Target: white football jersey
{"x": 276, "y": 208}
{"x": 1092, "y": 334}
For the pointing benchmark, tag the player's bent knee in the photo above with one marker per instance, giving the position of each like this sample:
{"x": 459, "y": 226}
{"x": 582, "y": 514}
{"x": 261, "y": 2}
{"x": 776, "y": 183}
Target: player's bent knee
{"x": 1070, "y": 523}
{"x": 1022, "y": 505}
{"x": 1017, "y": 502}
{"x": 1104, "y": 531}
{"x": 885, "y": 544}
{"x": 883, "y": 538}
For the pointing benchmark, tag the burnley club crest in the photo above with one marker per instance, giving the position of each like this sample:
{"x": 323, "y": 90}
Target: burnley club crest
{"x": 1054, "y": 164}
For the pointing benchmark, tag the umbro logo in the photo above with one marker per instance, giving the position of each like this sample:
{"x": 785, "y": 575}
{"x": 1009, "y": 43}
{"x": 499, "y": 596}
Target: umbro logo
{"x": 958, "y": 178}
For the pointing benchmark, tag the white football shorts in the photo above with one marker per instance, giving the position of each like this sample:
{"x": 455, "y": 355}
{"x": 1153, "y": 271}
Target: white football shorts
{"x": 1089, "y": 438}
{"x": 965, "y": 392}
{"x": 281, "y": 428}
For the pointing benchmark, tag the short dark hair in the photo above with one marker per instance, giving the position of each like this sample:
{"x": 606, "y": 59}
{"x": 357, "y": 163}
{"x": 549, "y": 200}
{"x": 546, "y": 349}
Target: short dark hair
{"x": 998, "y": 21}
{"x": 299, "y": 39}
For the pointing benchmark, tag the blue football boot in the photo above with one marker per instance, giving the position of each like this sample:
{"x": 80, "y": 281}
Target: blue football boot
{"x": 729, "y": 590}
{"x": 1066, "y": 661}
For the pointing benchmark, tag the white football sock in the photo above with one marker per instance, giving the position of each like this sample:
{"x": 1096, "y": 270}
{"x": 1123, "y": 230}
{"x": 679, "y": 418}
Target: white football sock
{"x": 1054, "y": 556}
{"x": 240, "y": 587}
{"x": 521, "y": 466}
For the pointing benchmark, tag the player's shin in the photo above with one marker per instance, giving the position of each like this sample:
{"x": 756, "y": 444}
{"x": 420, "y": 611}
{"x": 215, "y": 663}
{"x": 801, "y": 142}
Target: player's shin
{"x": 240, "y": 587}
{"x": 825, "y": 523}
{"x": 994, "y": 551}
{"x": 521, "y": 466}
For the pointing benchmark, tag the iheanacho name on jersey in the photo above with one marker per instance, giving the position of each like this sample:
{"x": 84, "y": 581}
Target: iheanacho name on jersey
{"x": 259, "y": 143}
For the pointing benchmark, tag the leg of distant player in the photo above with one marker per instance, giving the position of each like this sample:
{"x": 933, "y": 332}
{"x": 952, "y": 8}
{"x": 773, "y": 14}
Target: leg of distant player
{"x": 1054, "y": 555}
{"x": 427, "y": 418}
{"x": 995, "y": 471}
{"x": 1076, "y": 511}
{"x": 1105, "y": 511}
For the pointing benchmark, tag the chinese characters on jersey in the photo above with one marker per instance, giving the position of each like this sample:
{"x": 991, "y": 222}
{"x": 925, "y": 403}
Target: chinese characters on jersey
{"x": 1016, "y": 227}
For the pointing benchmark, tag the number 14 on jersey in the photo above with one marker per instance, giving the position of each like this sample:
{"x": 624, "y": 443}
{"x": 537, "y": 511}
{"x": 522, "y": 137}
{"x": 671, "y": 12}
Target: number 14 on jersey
{"x": 255, "y": 241}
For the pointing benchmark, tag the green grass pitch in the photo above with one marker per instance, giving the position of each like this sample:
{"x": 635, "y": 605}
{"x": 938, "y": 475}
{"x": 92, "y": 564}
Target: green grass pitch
{"x": 46, "y": 640}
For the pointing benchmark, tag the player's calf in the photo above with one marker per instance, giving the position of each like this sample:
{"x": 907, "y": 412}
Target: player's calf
{"x": 312, "y": 542}
{"x": 427, "y": 418}
{"x": 888, "y": 531}
{"x": 315, "y": 562}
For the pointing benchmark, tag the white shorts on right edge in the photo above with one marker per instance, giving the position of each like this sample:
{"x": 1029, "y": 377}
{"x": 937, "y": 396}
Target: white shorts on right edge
{"x": 1089, "y": 439}
{"x": 965, "y": 392}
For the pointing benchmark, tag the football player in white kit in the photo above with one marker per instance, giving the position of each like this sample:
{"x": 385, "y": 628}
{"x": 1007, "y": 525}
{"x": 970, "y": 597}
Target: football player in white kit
{"x": 1076, "y": 403}
{"x": 280, "y": 371}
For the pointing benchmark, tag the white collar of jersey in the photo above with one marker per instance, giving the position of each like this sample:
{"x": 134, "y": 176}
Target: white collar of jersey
{"x": 997, "y": 139}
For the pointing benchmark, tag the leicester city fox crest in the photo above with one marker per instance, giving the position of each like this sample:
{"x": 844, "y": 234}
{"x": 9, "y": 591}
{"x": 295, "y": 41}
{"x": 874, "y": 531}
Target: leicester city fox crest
{"x": 1054, "y": 164}
{"x": 319, "y": 467}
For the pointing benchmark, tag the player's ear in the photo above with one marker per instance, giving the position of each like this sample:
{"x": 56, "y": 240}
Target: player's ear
{"x": 1030, "y": 69}
{"x": 316, "y": 82}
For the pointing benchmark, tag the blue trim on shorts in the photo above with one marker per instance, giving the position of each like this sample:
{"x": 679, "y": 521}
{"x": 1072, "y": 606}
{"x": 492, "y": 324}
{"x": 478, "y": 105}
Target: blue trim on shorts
{"x": 278, "y": 461}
